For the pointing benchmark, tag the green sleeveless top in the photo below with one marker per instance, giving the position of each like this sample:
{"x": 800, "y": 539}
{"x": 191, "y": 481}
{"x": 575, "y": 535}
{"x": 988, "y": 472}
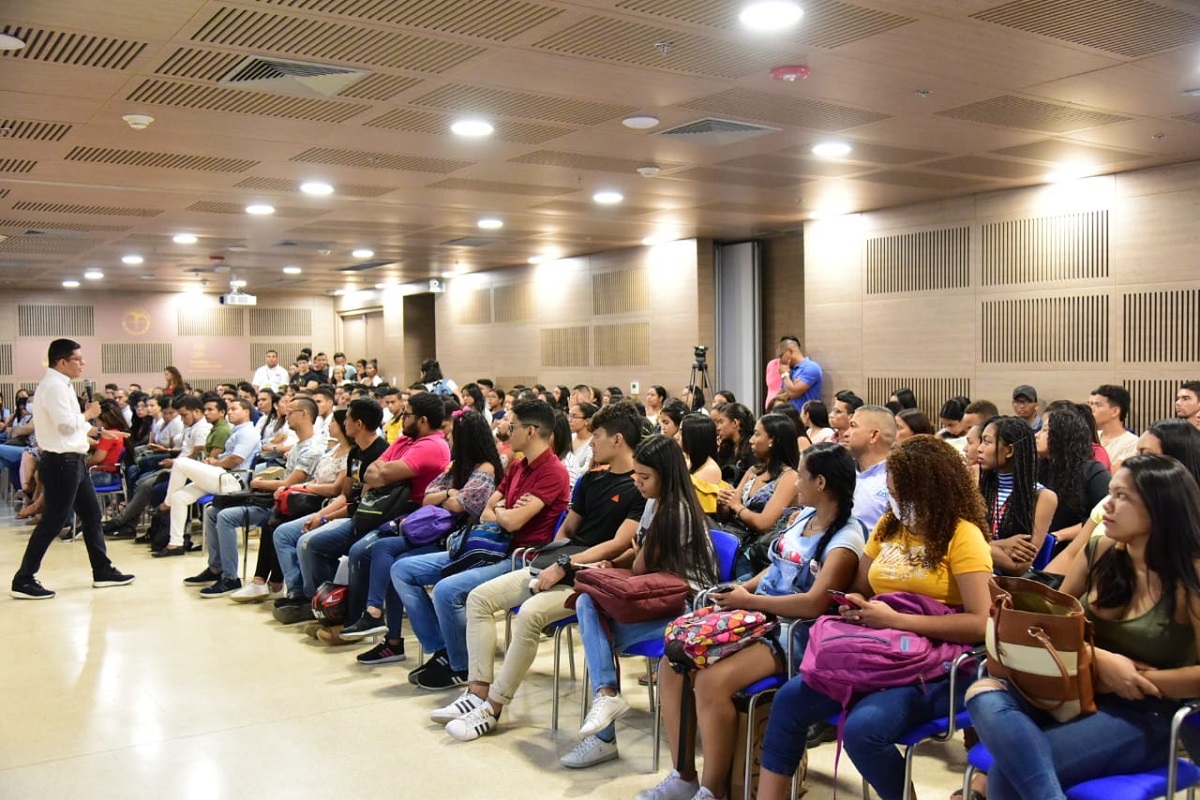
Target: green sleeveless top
{"x": 1154, "y": 638}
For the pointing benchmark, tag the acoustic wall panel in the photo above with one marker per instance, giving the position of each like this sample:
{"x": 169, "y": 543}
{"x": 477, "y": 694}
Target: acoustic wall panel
{"x": 1070, "y": 329}
{"x": 1059, "y": 248}
{"x": 931, "y": 392}
{"x": 921, "y": 261}
{"x": 126, "y": 358}
{"x": 1162, "y": 326}
{"x": 56, "y": 320}
{"x": 566, "y": 347}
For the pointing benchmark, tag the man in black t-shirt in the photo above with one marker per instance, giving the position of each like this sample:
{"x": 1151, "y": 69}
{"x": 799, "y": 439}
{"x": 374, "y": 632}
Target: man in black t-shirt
{"x": 600, "y": 525}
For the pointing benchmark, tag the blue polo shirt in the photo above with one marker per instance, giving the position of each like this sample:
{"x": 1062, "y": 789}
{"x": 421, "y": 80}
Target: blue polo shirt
{"x": 871, "y": 494}
{"x": 809, "y": 372}
{"x": 243, "y": 441}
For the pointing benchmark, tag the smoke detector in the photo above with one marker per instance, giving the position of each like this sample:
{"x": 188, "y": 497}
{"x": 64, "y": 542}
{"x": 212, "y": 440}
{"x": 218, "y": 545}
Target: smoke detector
{"x": 790, "y": 73}
{"x": 649, "y": 171}
{"x": 139, "y": 122}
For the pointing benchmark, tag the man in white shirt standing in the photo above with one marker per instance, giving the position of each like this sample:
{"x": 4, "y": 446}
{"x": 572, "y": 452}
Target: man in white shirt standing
{"x": 62, "y": 435}
{"x": 270, "y": 375}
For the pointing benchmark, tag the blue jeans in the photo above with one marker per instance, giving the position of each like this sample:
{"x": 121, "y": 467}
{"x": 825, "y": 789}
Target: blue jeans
{"x": 221, "y": 535}
{"x": 869, "y": 735}
{"x": 287, "y": 540}
{"x": 320, "y": 549}
{"x": 103, "y": 478}
{"x": 440, "y": 622}
{"x": 376, "y": 559}
{"x": 598, "y": 649}
{"x": 1034, "y": 756}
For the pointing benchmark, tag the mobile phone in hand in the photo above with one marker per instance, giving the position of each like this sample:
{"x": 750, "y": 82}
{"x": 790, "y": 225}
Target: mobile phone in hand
{"x": 838, "y": 597}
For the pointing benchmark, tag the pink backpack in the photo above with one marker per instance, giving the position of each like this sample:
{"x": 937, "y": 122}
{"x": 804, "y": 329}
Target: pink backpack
{"x": 843, "y": 659}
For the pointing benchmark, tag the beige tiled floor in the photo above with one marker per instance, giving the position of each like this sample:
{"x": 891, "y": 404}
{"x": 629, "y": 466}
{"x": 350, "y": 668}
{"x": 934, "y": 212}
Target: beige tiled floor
{"x": 148, "y": 691}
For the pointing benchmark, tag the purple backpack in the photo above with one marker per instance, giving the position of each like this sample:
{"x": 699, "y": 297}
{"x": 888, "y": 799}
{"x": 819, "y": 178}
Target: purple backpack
{"x": 843, "y": 659}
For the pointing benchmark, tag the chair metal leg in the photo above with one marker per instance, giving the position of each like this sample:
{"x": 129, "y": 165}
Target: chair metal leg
{"x": 655, "y": 708}
{"x": 585, "y": 697}
{"x": 557, "y": 679}
{"x": 571, "y": 650}
{"x": 968, "y": 777}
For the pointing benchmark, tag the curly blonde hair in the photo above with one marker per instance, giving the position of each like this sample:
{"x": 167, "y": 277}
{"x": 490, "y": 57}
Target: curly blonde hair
{"x": 930, "y": 474}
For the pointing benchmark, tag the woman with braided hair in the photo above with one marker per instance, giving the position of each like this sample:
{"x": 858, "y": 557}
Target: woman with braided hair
{"x": 1068, "y": 466}
{"x": 1019, "y": 508}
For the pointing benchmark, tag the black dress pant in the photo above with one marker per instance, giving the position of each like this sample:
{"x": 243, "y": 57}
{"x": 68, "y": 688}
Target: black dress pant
{"x": 67, "y": 488}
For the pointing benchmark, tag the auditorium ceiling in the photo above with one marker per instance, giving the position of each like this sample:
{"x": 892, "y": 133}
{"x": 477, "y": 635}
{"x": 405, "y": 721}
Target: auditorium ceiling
{"x": 250, "y": 99}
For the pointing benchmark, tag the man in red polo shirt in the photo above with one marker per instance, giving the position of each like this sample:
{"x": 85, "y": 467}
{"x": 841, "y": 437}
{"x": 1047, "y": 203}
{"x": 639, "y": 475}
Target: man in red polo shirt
{"x": 531, "y": 497}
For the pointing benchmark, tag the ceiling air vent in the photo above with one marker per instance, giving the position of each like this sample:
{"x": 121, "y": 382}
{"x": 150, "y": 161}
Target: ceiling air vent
{"x": 305, "y": 244}
{"x": 715, "y": 131}
{"x": 466, "y": 241}
{"x": 284, "y": 75}
{"x": 365, "y": 265}
{"x": 52, "y": 234}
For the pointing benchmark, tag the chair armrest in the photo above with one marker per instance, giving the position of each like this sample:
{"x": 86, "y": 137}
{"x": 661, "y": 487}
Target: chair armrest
{"x": 1186, "y": 709}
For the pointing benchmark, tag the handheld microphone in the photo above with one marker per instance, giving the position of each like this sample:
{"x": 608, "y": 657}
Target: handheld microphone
{"x": 89, "y": 388}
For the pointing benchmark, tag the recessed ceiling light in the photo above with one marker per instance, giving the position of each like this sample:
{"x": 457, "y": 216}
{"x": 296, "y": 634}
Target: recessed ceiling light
{"x": 831, "y": 149}
{"x": 10, "y": 42}
{"x": 184, "y": 238}
{"x": 491, "y": 223}
{"x": 93, "y": 274}
{"x": 292, "y": 270}
{"x": 472, "y": 128}
{"x": 70, "y": 284}
{"x": 237, "y": 284}
{"x": 640, "y": 121}
{"x": 317, "y": 188}
{"x": 608, "y": 197}
{"x": 538, "y": 259}
{"x": 770, "y": 15}
{"x": 363, "y": 252}
{"x": 132, "y": 259}
{"x": 260, "y": 209}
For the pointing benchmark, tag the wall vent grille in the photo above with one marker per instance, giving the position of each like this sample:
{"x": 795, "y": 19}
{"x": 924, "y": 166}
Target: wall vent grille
{"x": 55, "y": 321}
{"x": 919, "y": 262}
{"x": 6, "y": 368}
{"x": 1046, "y": 330}
{"x": 474, "y": 308}
{"x": 514, "y": 302}
{"x": 212, "y": 322}
{"x": 620, "y": 292}
{"x": 566, "y": 347}
{"x": 124, "y": 358}
{"x": 626, "y": 345}
{"x": 281, "y": 322}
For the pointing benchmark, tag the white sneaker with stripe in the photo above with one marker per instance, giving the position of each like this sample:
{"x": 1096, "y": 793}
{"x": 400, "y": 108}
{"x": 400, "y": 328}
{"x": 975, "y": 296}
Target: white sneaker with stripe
{"x": 465, "y": 704}
{"x": 473, "y": 724}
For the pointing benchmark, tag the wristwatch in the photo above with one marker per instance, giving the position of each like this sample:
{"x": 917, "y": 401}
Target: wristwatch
{"x": 564, "y": 561}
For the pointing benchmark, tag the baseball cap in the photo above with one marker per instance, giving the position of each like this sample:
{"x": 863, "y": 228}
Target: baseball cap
{"x": 1025, "y": 390}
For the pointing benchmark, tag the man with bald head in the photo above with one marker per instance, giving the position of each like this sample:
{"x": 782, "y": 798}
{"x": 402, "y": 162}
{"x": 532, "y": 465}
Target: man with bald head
{"x": 869, "y": 439}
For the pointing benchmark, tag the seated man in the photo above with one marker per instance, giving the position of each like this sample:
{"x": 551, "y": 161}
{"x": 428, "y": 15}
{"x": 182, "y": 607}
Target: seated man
{"x": 220, "y": 527}
{"x": 190, "y": 479}
{"x": 309, "y": 548}
{"x": 600, "y": 526}
{"x": 531, "y": 497}
{"x": 151, "y": 487}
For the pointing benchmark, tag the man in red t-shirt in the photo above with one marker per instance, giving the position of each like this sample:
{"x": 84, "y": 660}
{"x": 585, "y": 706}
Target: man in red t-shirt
{"x": 531, "y": 497}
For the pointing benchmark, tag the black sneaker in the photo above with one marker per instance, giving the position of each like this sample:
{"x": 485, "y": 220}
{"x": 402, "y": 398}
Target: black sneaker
{"x": 382, "y": 653}
{"x": 112, "y": 526}
{"x": 222, "y": 587}
{"x": 365, "y": 626}
{"x": 439, "y": 677}
{"x": 437, "y": 659}
{"x": 204, "y": 578}
{"x": 293, "y": 614}
{"x": 110, "y": 576}
{"x": 290, "y": 600}
{"x": 821, "y": 732}
{"x": 124, "y": 532}
{"x": 30, "y": 589}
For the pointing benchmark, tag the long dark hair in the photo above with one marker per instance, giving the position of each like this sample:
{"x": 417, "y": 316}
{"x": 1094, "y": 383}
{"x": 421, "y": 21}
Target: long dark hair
{"x": 472, "y": 390}
{"x": 698, "y": 437}
{"x": 473, "y": 445}
{"x": 836, "y": 465}
{"x": 741, "y": 454}
{"x": 1069, "y": 452}
{"x": 696, "y": 397}
{"x": 111, "y": 416}
{"x": 818, "y": 414}
{"x": 916, "y": 420}
{"x": 905, "y": 398}
{"x": 564, "y": 397}
{"x": 677, "y": 540}
{"x": 431, "y": 371}
{"x": 1180, "y": 440}
{"x": 274, "y": 412}
{"x": 675, "y": 410}
{"x": 560, "y": 439}
{"x": 1172, "y": 500}
{"x": 1017, "y": 514}
{"x": 785, "y": 450}
{"x": 177, "y": 385}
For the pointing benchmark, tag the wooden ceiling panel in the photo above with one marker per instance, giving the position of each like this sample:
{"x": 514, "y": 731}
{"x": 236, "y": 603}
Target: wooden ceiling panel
{"x": 500, "y": 187}
{"x": 33, "y": 129}
{"x": 1130, "y": 28}
{"x": 986, "y": 167}
{"x": 143, "y": 158}
{"x": 289, "y": 186}
{"x": 817, "y": 115}
{"x": 498, "y": 20}
{"x": 1058, "y": 151}
{"x": 379, "y": 86}
{"x": 1129, "y": 87}
{"x": 199, "y": 63}
{"x": 924, "y": 180}
{"x": 734, "y": 177}
{"x": 369, "y": 160}
{"x": 556, "y": 158}
{"x": 181, "y": 94}
{"x": 74, "y": 49}
{"x": 409, "y": 119}
{"x": 478, "y": 100}
{"x": 1010, "y": 111}
{"x": 77, "y": 209}
{"x": 793, "y": 165}
{"x": 291, "y": 34}
{"x": 220, "y": 207}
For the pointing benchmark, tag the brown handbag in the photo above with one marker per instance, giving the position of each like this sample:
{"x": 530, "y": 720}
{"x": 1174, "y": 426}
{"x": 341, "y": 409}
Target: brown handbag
{"x": 626, "y": 597}
{"x": 1040, "y": 641}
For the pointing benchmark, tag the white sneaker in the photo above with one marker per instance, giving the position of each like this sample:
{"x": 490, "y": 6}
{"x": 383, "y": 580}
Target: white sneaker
{"x": 278, "y": 593}
{"x": 673, "y": 787}
{"x": 251, "y": 593}
{"x": 591, "y": 751}
{"x": 473, "y": 724}
{"x": 605, "y": 710}
{"x": 705, "y": 794}
{"x": 465, "y": 704}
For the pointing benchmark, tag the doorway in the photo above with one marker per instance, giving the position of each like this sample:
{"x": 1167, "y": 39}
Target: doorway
{"x": 420, "y": 333}
{"x": 362, "y": 337}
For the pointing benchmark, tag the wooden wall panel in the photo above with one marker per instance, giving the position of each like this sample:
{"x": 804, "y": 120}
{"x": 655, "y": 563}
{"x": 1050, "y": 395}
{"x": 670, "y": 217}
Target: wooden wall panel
{"x": 782, "y": 299}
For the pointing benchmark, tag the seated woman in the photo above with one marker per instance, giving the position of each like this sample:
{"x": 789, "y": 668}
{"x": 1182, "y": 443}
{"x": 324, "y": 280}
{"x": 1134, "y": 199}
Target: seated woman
{"x": 734, "y": 453}
{"x": 930, "y": 543}
{"x": 655, "y": 397}
{"x": 108, "y": 445}
{"x": 672, "y": 537}
{"x": 1140, "y": 589}
{"x": 818, "y": 553}
{"x": 911, "y": 422}
{"x": 754, "y": 507}
{"x": 671, "y": 417}
{"x": 463, "y": 489}
{"x": 1018, "y": 507}
{"x": 698, "y": 438}
{"x": 1172, "y": 437}
{"x": 1068, "y": 466}
{"x": 816, "y": 422}
{"x": 579, "y": 460}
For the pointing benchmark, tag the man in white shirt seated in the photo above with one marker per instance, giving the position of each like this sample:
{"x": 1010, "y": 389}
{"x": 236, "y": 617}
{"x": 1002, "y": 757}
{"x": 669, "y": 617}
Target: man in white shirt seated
{"x": 1110, "y": 406}
{"x": 270, "y": 375}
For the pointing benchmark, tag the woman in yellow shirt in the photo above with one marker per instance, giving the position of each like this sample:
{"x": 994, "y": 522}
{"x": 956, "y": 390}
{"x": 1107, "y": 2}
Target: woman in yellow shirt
{"x": 931, "y": 543}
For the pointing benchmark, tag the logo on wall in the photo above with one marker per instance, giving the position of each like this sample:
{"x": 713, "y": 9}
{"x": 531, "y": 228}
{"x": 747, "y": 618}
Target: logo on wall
{"x": 136, "y": 322}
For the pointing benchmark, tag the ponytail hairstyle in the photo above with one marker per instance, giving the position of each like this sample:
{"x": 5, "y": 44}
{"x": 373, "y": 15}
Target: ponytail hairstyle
{"x": 1018, "y": 512}
{"x": 836, "y": 465}
{"x": 677, "y": 540}
{"x": 1172, "y": 500}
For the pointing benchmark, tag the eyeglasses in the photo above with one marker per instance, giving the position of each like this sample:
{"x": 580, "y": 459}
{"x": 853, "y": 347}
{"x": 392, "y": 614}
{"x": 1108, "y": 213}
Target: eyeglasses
{"x": 576, "y": 416}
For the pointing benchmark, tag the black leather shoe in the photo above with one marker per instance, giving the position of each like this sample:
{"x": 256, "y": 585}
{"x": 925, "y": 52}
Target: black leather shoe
{"x": 168, "y": 551}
